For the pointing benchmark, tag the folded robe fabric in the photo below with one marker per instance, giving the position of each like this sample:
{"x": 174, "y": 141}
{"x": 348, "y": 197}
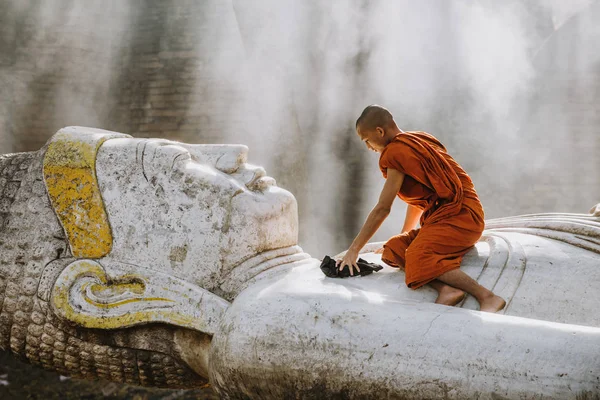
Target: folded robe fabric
{"x": 331, "y": 270}
{"x": 452, "y": 219}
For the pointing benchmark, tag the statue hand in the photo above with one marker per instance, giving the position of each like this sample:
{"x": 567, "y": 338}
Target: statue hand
{"x": 349, "y": 259}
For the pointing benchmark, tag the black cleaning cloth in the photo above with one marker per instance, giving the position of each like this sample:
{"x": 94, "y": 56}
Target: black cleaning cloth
{"x": 329, "y": 268}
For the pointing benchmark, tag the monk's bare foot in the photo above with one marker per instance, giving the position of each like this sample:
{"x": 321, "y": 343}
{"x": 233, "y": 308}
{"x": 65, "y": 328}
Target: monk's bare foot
{"x": 492, "y": 304}
{"x": 449, "y": 296}
{"x": 379, "y": 251}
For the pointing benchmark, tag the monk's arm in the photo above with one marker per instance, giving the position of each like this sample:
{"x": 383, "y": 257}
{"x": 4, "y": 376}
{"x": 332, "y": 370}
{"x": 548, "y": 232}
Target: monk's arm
{"x": 413, "y": 214}
{"x": 376, "y": 216}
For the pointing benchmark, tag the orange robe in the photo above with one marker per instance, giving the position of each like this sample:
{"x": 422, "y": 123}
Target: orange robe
{"x": 452, "y": 219}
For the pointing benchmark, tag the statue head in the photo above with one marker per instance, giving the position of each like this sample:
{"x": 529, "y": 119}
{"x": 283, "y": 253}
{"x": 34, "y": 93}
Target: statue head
{"x": 192, "y": 211}
{"x": 126, "y": 232}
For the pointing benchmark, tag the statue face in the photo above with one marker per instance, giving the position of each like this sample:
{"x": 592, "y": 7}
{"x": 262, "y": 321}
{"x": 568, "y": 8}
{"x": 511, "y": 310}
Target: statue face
{"x": 192, "y": 211}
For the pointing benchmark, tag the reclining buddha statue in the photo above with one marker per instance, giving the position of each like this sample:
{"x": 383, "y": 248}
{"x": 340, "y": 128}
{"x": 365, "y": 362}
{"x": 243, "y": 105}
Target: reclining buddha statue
{"x": 166, "y": 264}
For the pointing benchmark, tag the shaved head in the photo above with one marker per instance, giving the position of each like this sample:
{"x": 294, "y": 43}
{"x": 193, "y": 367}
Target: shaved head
{"x": 374, "y": 116}
{"x": 376, "y": 127}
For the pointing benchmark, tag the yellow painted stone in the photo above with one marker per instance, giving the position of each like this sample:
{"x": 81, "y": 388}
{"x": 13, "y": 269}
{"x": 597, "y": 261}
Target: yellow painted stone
{"x": 70, "y": 177}
{"x": 154, "y": 310}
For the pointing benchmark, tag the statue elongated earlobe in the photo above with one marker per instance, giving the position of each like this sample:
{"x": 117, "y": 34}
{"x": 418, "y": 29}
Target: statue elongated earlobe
{"x": 121, "y": 295}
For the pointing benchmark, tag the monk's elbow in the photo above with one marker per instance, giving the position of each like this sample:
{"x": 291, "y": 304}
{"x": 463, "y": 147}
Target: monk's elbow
{"x": 382, "y": 210}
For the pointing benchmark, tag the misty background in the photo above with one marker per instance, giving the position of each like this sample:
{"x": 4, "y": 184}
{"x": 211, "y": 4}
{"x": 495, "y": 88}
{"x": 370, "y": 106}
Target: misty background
{"x": 510, "y": 87}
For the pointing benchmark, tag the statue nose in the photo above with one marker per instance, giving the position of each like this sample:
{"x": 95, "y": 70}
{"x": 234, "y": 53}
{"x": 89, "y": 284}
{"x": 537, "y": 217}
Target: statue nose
{"x": 225, "y": 157}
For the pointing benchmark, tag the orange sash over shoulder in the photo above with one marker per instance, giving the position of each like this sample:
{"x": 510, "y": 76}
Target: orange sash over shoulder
{"x": 452, "y": 219}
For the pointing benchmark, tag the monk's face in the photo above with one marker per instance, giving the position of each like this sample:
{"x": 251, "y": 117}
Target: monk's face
{"x": 374, "y": 139}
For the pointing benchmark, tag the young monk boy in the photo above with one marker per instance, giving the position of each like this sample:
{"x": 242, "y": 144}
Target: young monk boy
{"x": 440, "y": 195}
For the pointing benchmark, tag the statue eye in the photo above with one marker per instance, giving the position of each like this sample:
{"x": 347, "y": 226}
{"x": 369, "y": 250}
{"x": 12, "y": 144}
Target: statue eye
{"x": 182, "y": 157}
{"x": 171, "y": 156}
{"x": 159, "y": 158}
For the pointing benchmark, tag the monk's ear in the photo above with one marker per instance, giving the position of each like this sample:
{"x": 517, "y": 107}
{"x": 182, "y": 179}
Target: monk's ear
{"x": 380, "y": 131}
{"x": 113, "y": 295}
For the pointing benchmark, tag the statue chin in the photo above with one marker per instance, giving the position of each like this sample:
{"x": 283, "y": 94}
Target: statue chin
{"x": 261, "y": 222}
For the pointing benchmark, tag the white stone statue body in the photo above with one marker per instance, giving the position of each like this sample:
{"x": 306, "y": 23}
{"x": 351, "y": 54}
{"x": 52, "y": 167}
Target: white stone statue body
{"x": 166, "y": 264}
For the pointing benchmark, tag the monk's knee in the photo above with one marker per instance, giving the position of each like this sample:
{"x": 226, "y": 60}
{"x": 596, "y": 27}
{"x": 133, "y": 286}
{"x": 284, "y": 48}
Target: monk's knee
{"x": 392, "y": 258}
{"x": 394, "y": 250}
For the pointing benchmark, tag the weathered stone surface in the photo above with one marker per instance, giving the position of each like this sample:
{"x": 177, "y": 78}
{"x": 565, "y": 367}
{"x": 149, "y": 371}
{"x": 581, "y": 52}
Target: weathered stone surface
{"x": 178, "y": 264}
{"x": 371, "y": 337}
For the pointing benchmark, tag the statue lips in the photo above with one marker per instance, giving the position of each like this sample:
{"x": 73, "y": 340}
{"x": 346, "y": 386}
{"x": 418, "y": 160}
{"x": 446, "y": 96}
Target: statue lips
{"x": 258, "y": 180}
{"x": 262, "y": 183}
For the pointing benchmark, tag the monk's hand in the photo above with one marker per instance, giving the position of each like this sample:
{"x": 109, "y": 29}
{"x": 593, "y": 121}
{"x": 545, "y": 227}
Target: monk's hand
{"x": 350, "y": 260}
{"x": 379, "y": 251}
